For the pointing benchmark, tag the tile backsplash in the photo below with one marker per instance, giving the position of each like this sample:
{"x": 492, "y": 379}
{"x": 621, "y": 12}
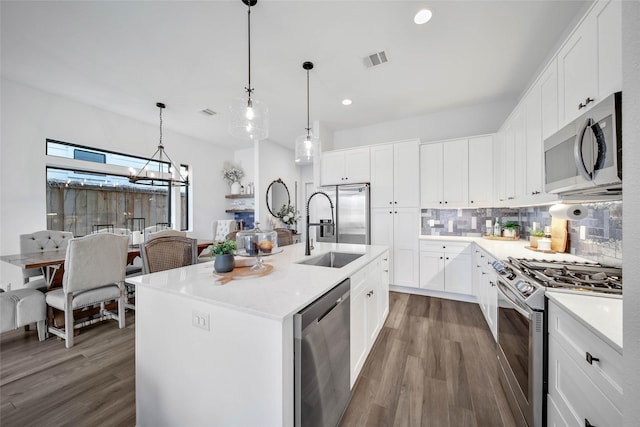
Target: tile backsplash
{"x": 601, "y": 238}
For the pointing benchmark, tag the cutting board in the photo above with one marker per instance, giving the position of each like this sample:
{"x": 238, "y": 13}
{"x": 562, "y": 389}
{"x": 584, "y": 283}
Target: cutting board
{"x": 241, "y": 273}
{"x": 558, "y": 235}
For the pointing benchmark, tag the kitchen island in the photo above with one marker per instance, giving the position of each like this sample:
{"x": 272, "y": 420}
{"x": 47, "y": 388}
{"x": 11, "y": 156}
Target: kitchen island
{"x": 211, "y": 354}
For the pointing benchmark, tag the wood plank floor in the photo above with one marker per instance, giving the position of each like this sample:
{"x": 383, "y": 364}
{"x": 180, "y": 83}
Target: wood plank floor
{"x": 90, "y": 384}
{"x": 433, "y": 365}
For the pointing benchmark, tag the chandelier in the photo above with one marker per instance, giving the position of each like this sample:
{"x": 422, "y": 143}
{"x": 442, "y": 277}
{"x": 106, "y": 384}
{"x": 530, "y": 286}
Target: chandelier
{"x": 159, "y": 169}
{"x": 307, "y": 144}
{"x": 249, "y": 118}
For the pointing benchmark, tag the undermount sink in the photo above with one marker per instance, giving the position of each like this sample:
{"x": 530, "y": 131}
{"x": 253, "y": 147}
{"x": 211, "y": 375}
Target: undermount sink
{"x": 331, "y": 259}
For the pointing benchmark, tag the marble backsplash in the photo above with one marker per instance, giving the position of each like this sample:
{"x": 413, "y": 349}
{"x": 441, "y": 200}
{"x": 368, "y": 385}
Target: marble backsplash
{"x": 601, "y": 230}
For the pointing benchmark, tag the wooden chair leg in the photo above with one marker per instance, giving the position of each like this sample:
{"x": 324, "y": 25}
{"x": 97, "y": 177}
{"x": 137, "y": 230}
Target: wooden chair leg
{"x": 68, "y": 321}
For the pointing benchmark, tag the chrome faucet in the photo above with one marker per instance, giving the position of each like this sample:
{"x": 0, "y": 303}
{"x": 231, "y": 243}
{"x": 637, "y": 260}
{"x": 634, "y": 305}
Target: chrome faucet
{"x": 307, "y": 250}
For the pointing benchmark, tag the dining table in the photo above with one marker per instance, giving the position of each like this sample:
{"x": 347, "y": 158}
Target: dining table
{"x": 52, "y": 262}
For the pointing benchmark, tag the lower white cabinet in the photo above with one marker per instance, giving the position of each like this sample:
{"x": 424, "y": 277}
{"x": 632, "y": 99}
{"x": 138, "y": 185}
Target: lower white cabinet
{"x": 485, "y": 288}
{"x": 446, "y": 266}
{"x": 585, "y": 374}
{"x": 397, "y": 228}
{"x": 369, "y": 309}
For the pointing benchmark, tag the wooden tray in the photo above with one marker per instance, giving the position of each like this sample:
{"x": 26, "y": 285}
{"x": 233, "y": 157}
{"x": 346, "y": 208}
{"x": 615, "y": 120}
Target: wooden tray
{"x": 241, "y": 273}
{"x": 492, "y": 237}
{"x": 531, "y": 248}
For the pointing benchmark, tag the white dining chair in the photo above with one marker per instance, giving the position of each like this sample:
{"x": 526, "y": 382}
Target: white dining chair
{"x": 94, "y": 274}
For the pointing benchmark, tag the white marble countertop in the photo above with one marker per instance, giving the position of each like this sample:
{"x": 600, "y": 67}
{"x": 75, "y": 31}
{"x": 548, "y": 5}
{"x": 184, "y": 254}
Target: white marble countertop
{"x": 501, "y": 249}
{"x": 283, "y": 292}
{"x": 602, "y": 315}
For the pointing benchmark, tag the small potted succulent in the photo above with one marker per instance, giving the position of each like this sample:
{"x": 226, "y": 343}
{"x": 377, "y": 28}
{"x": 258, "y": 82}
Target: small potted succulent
{"x": 534, "y": 236}
{"x": 224, "y": 251}
{"x": 511, "y": 229}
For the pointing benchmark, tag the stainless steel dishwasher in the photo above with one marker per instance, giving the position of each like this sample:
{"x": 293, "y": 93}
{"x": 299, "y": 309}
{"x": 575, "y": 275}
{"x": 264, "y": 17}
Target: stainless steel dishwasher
{"x": 322, "y": 365}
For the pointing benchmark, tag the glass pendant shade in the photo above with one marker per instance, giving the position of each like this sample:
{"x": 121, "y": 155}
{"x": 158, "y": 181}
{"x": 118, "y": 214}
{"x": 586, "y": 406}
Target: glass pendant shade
{"x": 306, "y": 146}
{"x": 249, "y": 119}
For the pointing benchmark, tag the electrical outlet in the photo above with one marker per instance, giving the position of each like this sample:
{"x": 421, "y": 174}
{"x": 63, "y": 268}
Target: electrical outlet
{"x": 583, "y": 232}
{"x": 200, "y": 320}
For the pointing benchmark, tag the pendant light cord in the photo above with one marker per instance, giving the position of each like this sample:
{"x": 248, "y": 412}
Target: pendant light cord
{"x": 160, "y": 144}
{"x": 308, "y": 126}
{"x": 249, "y": 88}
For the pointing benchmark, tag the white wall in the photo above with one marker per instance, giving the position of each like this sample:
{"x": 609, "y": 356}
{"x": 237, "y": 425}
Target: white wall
{"x": 631, "y": 207}
{"x": 30, "y": 116}
{"x": 275, "y": 162}
{"x": 456, "y": 123}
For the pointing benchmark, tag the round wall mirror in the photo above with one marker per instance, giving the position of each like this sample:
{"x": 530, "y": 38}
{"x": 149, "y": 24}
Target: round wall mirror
{"x": 277, "y": 196}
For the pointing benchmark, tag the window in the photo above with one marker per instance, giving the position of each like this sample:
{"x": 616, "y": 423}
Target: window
{"x": 79, "y": 199}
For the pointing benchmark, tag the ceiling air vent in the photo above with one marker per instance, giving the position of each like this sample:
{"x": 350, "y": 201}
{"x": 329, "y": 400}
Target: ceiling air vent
{"x": 375, "y": 59}
{"x": 208, "y": 112}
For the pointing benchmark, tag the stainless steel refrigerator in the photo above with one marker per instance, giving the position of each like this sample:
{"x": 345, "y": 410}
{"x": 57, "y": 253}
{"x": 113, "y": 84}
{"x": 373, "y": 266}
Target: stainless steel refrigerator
{"x": 352, "y": 221}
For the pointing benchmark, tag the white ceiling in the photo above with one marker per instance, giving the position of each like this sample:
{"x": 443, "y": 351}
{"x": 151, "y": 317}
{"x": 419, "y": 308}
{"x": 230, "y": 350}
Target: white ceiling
{"x": 124, "y": 56}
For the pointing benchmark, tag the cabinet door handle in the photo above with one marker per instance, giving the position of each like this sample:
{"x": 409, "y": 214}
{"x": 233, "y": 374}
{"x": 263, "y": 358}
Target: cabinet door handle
{"x": 386, "y": 271}
{"x": 396, "y": 212}
{"x": 483, "y": 273}
{"x": 447, "y": 257}
{"x": 395, "y": 203}
{"x": 440, "y": 257}
{"x": 445, "y": 202}
{"x": 440, "y": 202}
{"x": 492, "y": 283}
{"x": 390, "y": 212}
{"x": 587, "y": 101}
{"x": 481, "y": 256}
{"x": 591, "y": 359}
{"x": 587, "y": 423}
{"x": 472, "y": 201}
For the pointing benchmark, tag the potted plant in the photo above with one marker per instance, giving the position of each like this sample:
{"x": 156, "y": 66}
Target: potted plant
{"x": 534, "y": 236}
{"x": 288, "y": 216}
{"x": 511, "y": 229}
{"x": 233, "y": 174}
{"x": 224, "y": 252}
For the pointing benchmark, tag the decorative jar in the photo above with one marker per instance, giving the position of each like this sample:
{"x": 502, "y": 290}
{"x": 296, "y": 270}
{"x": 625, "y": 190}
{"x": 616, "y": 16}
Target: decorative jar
{"x": 256, "y": 242}
{"x": 235, "y": 187}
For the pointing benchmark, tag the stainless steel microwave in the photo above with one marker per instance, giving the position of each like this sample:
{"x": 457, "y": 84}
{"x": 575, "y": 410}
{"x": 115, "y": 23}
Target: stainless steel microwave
{"x": 585, "y": 156}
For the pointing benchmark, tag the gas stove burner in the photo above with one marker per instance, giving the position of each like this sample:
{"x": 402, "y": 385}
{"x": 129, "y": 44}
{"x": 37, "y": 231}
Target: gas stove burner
{"x": 581, "y": 276}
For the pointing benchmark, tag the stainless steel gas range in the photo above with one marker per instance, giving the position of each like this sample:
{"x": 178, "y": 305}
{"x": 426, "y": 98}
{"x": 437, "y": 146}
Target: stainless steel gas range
{"x": 522, "y": 284}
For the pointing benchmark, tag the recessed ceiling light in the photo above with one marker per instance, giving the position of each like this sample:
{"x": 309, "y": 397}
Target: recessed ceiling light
{"x": 346, "y": 102}
{"x": 422, "y": 16}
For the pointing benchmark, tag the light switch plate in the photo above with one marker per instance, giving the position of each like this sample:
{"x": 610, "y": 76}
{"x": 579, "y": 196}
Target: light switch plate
{"x": 583, "y": 232}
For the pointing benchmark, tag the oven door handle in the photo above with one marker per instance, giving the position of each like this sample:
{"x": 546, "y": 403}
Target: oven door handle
{"x": 526, "y": 313}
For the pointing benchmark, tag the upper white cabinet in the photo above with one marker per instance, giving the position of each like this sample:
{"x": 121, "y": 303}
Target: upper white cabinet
{"x": 481, "y": 172}
{"x": 395, "y": 175}
{"x": 590, "y": 62}
{"x": 548, "y": 86}
{"x": 513, "y": 170}
{"x": 345, "y": 166}
{"x": 444, "y": 174}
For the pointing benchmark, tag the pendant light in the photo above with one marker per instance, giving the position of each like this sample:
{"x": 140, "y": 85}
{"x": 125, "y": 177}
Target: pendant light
{"x": 161, "y": 176}
{"x": 306, "y": 145}
{"x": 249, "y": 118}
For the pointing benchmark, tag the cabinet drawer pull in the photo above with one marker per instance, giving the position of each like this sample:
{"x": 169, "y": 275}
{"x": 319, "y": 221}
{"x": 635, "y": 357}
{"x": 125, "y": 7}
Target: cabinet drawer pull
{"x": 591, "y": 359}
{"x": 386, "y": 271}
{"x": 586, "y": 102}
{"x": 587, "y": 423}
{"x": 483, "y": 273}
{"x": 492, "y": 283}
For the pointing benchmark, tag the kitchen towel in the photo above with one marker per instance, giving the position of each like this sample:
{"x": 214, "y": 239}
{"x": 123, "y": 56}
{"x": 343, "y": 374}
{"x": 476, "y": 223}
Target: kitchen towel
{"x": 572, "y": 212}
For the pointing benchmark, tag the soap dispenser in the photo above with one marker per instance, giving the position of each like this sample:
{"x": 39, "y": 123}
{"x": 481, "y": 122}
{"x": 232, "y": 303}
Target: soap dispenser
{"x": 496, "y": 228}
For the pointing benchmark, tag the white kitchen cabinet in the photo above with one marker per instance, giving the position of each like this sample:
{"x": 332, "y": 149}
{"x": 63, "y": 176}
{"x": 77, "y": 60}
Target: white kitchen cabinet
{"x": 590, "y": 61}
{"x": 548, "y": 83}
{"x": 369, "y": 309}
{"x": 446, "y": 267}
{"x": 345, "y": 166}
{"x": 481, "y": 172}
{"x": 398, "y": 228}
{"x": 583, "y": 390}
{"x": 486, "y": 288}
{"x": 444, "y": 178}
{"x": 513, "y": 160}
{"x": 395, "y": 174}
